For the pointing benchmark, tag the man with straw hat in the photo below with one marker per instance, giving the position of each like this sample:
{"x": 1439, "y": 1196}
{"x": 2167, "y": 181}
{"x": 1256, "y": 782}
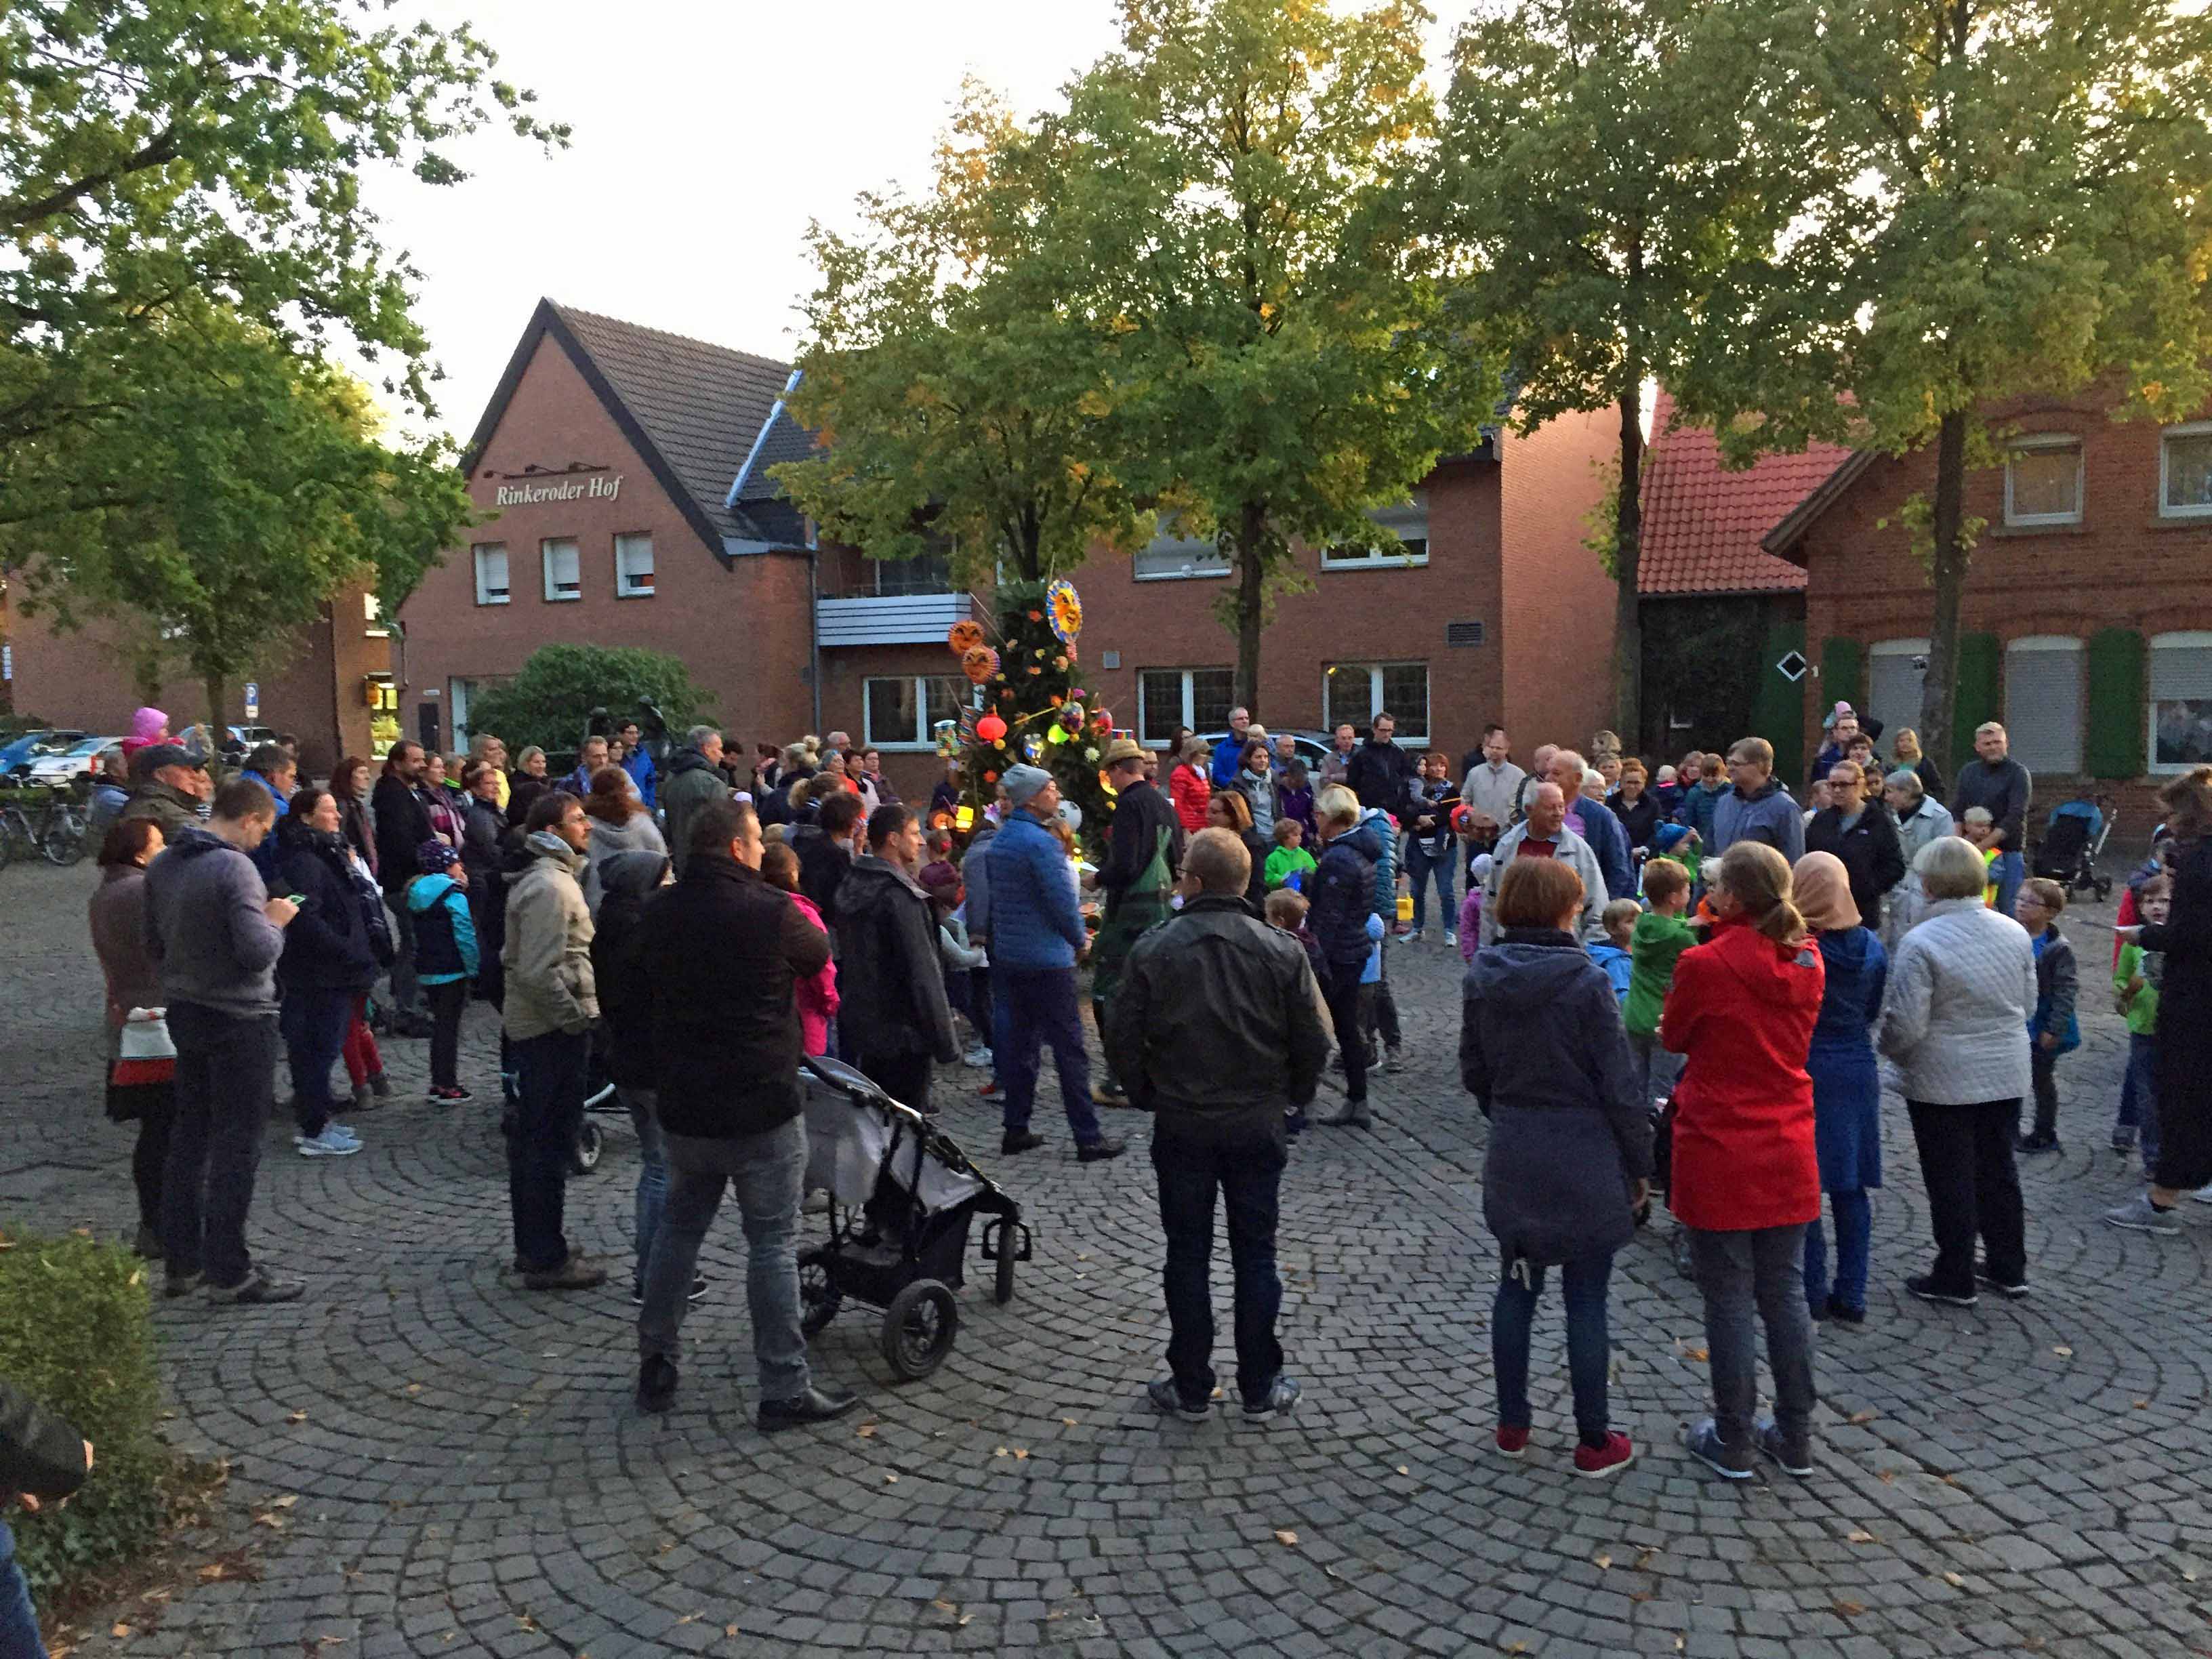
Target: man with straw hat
{"x": 1143, "y": 856}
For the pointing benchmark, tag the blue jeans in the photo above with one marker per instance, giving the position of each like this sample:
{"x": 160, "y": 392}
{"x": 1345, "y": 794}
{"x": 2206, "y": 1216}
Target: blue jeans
{"x": 765, "y": 1173}
{"x": 1034, "y": 1008}
{"x": 314, "y": 1023}
{"x": 226, "y": 1088}
{"x": 1854, "y": 1238}
{"x": 1588, "y": 1346}
{"x": 551, "y": 1070}
{"x": 652, "y": 1173}
{"x": 1421, "y": 865}
{"x": 1757, "y": 1273}
{"x": 19, "y": 1620}
{"x": 1191, "y": 1162}
{"x": 2139, "y": 1095}
{"x": 2008, "y": 871}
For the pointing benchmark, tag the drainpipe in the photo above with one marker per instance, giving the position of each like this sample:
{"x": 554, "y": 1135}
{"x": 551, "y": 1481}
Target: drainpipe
{"x": 814, "y": 626}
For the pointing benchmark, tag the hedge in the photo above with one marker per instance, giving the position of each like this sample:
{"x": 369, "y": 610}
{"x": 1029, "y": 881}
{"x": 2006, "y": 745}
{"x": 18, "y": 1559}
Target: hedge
{"x": 76, "y": 1334}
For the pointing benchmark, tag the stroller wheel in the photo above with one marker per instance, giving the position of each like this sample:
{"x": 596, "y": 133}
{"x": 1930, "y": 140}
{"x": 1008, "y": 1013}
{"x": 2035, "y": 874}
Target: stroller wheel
{"x": 589, "y": 1145}
{"x": 819, "y": 1300}
{"x": 919, "y": 1328}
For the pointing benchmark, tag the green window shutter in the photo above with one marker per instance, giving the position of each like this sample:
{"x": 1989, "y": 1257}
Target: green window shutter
{"x": 1777, "y": 712}
{"x": 1977, "y": 700}
{"x": 2116, "y": 700}
{"x": 1843, "y": 672}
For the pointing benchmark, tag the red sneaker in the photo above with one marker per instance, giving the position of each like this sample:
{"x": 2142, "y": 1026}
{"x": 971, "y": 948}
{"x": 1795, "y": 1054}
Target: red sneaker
{"x": 1598, "y": 1461}
{"x": 1511, "y": 1441}
{"x": 988, "y": 1088}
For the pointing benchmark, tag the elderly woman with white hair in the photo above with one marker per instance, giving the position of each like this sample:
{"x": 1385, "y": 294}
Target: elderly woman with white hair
{"x": 1921, "y": 818}
{"x": 1961, "y": 987}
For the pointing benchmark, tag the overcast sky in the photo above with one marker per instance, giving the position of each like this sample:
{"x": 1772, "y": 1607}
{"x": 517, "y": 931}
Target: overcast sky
{"x": 708, "y": 134}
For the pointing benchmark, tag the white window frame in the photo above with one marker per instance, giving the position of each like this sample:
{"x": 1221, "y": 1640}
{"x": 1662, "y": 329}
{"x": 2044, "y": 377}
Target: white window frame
{"x": 921, "y": 737}
{"x": 627, "y": 543}
{"x": 486, "y": 593}
{"x": 545, "y": 563}
{"x": 1405, "y": 735}
{"x": 1415, "y": 506}
{"x": 1187, "y": 715}
{"x": 1193, "y": 570}
{"x": 2187, "y": 640}
{"x": 2039, "y": 644}
{"x": 2046, "y": 441}
{"x": 372, "y": 624}
{"x": 2191, "y": 429}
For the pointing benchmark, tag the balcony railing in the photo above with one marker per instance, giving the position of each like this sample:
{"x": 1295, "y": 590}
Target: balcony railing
{"x": 890, "y": 619}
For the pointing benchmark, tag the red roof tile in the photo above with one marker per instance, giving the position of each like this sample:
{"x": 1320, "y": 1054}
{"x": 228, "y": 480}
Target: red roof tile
{"x": 1702, "y": 522}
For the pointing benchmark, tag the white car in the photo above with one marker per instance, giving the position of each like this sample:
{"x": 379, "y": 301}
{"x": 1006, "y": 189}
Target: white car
{"x": 81, "y": 757}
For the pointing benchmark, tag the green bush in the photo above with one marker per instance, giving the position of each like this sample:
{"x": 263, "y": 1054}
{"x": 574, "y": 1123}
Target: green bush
{"x": 76, "y": 1334}
{"x": 547, "y": 702}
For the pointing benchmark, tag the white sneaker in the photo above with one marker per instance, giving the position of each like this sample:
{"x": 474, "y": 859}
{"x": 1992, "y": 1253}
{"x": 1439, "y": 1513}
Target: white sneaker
{"x": 343, "y": 1131}
{"x": 325, "y": 1144}
{"x": 979, "y": 1057}
{"x": 2203, "y": 1195}
{"x": 1451, "y": 941}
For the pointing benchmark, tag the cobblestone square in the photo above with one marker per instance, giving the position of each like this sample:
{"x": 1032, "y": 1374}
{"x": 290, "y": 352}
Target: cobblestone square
{"x": 472, "y": 1479}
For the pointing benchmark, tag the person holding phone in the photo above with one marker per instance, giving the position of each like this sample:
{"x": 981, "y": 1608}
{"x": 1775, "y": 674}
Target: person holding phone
{"x": 327, "y": 964}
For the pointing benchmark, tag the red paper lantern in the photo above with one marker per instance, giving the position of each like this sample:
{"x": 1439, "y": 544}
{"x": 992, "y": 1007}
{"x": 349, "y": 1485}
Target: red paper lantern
{"x": 990, "y": 728}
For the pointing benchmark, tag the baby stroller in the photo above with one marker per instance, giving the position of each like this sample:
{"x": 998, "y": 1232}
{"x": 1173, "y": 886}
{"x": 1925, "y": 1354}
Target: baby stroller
{"x": 2073, "y": 835}
{"x": 901, "y": 1196}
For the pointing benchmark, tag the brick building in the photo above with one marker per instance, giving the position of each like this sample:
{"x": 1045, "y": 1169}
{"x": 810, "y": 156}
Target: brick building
{"x": 2087, "y": 619}
{"x": 623, "y": 476}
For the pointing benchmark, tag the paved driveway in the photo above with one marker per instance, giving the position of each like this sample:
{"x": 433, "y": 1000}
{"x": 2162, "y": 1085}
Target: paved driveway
{"x": 471, "y": 1479}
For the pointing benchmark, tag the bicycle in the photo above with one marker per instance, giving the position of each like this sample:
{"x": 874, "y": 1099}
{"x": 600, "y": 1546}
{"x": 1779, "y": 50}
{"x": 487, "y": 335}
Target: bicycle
{"x": 59, "y": 832}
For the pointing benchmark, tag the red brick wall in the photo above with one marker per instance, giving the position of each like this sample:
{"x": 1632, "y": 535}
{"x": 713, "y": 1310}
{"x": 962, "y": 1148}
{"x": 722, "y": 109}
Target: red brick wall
{"x": 742, "y": 630}
{"x": 2121, "y": 566}
{"x": 1558, "y": 632}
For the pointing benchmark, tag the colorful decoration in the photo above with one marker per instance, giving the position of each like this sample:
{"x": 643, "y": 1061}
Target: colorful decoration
{"x": 965, "y": 636}
{"x": 991, "y": 728}
{"x": 979, "y": 663}
{"x": 1065, "y": 610}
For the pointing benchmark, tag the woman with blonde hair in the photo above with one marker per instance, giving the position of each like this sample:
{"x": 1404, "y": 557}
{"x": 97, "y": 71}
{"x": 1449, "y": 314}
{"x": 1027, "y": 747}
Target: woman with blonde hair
{"x": 1905, "y": 749}
{"x": 1745, "y": 1175}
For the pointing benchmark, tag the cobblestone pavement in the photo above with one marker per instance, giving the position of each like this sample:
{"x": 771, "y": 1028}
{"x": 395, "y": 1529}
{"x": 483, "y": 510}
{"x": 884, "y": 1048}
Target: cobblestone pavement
{"x": 472, "y": 1478}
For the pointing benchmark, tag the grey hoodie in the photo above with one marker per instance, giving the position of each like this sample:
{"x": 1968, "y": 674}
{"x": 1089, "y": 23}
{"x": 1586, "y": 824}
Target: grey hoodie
{"x": 206, "y": 932}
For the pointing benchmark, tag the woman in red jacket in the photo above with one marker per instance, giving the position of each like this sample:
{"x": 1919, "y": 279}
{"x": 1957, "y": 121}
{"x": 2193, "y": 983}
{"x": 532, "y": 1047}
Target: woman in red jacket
{"x": 1746, "y": 1177}
{"x": 1190, "y": 785}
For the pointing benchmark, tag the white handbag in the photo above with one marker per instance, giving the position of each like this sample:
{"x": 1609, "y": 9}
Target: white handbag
{"x": 145, "y": 1036}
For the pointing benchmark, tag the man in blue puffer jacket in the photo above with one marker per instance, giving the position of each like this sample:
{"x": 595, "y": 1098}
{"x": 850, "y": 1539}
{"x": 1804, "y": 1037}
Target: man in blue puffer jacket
{"x": 1037, "y": 938}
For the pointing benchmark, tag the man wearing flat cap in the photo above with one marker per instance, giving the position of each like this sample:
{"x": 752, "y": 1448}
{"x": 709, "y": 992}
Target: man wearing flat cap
{"x": 1143, "y": 856}
{"x": 167, "y": 785}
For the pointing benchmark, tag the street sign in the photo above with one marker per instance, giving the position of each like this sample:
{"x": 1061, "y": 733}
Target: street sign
{"x": 253, "y": 701}
{"x": 1792, "y": 667}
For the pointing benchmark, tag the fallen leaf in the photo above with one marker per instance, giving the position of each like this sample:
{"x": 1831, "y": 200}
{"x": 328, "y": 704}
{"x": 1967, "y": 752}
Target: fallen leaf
{"x": 1888, "y": 1477}
{"x": 2064, "y": 1352}
{"x": 1069, "y": 1421}
{"x": 689, "y": 1619}
{"x": 1698, "y": 1354}
{"x": 1681, "y": 1642}
{"x": 890, "y": 1480}
{"x": 1602, "y": 1562}
{"x": 1849, "y": 1609}
{"x": 944, "y": 1606}
{"x": 1285, "y": 1535}
{"x": 729, "y": 1630}
{"x": 297, "y": 1417}
{"x": 1955, "y": 1581}
{"x": 1862, "y": 1536}
{"x": 285, "y": 1502}
{"x": 1020, "y": 1452}
{"x": 1001, "y": 1452}
{"x": 414, "y": 1388}
{"x": 866, "y": 1431}
{"x": 1866, "y": 1416}
{"x": 525, "y": 1622}
{"x": 274, "y": 1522}
{"x": 2189, "y": 1574}
{"x": 213, "y": 1571}
{"x": 966, "y": 1619}
{"x": 2142, "y": 1404}
{"x": 120, "y": 1631}
{"x": 1518, "y": 1647}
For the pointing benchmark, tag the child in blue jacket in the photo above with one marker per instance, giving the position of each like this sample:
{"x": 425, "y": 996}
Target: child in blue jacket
{"x": 445, "y": 959}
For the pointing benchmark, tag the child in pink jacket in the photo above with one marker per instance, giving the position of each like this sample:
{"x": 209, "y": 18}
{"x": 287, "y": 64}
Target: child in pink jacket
{"x": 816, "y": 997}
{"x": 1470, "y": 908}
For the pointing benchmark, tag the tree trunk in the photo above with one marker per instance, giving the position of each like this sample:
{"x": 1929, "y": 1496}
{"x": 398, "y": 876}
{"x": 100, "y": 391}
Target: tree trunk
{"x": 1628, "y": 545}
{"x": 217, "y": 687}
{"x": 1939, "y": 689}
{"x": 1252, "y": 552}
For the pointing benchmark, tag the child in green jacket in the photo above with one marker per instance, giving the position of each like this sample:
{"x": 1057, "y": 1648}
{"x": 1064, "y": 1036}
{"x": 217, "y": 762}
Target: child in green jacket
{"x": 2137, "y": 977}
{"x": 1662, "y": 934}
{"x": 1290, "y": 863}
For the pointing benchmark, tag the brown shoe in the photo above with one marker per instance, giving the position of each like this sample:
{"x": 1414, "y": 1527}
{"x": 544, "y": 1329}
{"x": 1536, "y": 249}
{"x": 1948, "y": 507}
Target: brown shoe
{"x": 578, "y": 1272}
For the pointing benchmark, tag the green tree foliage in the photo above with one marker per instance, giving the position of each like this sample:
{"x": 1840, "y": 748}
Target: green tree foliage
{"x": 550, "y": 701}
{"x": 2007, "y": 198}
{"x": 249, "y": 488}
{"x": 959, "y": 368}
{"x": 1244, "y": 185}
{"x": 1604, "y": 161}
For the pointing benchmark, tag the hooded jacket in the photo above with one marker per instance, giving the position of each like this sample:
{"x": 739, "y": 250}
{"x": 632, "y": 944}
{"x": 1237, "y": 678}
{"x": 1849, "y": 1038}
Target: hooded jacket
{"x": 1742, "y": 1009}
{"x": 721, "y": 953}
{"x": 890, "y": 984}
{"x": 1771, "y": 815}
{"x": 629, "y": 879}
{"x": 1542, "y": 1050}
{"x": 818, "y": 1001}
{"x": 206, "y": 930}
{"x": 1341, "y": 895}
{"x": 326, "y": 946}
{"x": 547, "y": 951}
{"x": 444, "y": 932}
{"x": 1213, "y": 980}
{"x": 692, "y": 781}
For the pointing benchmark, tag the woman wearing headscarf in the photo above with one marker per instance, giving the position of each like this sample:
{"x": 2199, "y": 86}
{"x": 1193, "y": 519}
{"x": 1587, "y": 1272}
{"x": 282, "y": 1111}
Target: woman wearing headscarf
{"x": 1846, "y": 1085}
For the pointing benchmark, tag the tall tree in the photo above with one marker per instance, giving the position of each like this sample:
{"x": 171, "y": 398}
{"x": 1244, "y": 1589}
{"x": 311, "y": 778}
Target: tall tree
{"x": 2012, "y": 198}
{"x": 1246, "y": 190}
{"x": 960, "y": 371}
{"x": 1606, "y": 161}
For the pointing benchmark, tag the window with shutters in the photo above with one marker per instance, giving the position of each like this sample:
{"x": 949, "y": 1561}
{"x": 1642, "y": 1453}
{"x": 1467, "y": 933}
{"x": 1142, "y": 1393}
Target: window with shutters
{"x": 2185, "y": 472}
{"x": 1171, "y": 555}
{"x": 1356, "y": 691}
{"x": 491, "y": 572}
{"x": 1895, "y": 669}
{"x": 564, "y": 569}
{"x": 633, "y": 566}
{"x": 2180, "y": 701}
{"x": 1408, "y": 521}
{"x": 2043, "y": 481}
{"x": 2043, "y": 704}
{"x": 1169, "y": 698}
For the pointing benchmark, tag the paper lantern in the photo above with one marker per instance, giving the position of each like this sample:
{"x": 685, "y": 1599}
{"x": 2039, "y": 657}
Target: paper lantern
{"x": 990, "y": 728}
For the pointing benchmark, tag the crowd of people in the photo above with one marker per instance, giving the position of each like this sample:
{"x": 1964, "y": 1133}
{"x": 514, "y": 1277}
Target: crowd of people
{"x": 691, "y": 925}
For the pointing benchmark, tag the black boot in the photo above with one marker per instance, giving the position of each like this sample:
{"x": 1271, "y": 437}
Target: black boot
{"x": 815, "y": 1406}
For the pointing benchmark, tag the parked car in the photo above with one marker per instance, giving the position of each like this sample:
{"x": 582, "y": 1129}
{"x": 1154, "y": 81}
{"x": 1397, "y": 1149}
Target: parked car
{"x": 17, "y": 754}
{"x": 1313, "y": 746}
{"x": 80, "y": 759}
{"x": 251, "y": 736}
